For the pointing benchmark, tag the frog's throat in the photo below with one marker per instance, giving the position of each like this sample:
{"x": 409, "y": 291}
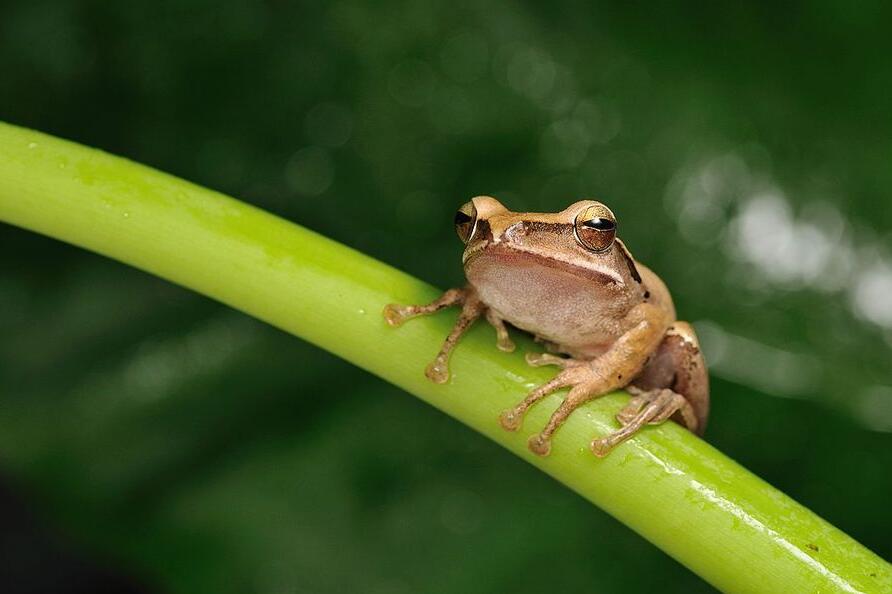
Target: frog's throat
{"x": 605, "y": 275}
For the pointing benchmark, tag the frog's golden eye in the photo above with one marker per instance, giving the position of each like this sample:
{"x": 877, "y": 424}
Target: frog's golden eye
{"x": 465, "y": 221}
{"x": 595, "y": 228}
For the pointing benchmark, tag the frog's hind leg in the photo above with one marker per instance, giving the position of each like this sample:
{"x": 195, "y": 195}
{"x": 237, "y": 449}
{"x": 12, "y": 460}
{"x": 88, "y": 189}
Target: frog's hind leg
{"x": 673, "y": 384}
{"x": 679, "y": 366}
{"x": 648, "y": 408}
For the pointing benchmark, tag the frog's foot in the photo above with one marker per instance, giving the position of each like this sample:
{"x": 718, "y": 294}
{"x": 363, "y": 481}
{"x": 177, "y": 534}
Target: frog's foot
{"x": 503, "y": 340}
{"x": 472, "y": 308}
{"x": 543, "y": 359}
{"x": 584, "y": 384}
{"x": 551, "y": 347}
{"x": 650, "y": 407}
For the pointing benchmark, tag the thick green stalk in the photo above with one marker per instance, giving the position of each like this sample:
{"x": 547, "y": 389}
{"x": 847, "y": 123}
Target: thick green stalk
{"x": 721, "y": 521}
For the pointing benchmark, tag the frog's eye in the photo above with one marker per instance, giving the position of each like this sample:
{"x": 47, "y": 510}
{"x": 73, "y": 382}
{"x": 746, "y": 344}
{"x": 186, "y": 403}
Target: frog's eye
{"x": 595, "y": 228}
{"x": 465, "y": 220}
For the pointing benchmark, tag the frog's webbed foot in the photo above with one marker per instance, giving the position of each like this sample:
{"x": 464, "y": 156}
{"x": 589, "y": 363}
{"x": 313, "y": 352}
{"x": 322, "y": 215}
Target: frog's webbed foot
{"x": 472, "y": 308}
{"x": 584, "y": 382}
{"x": 647, "y": 407}
{"x": 438, "y": 369}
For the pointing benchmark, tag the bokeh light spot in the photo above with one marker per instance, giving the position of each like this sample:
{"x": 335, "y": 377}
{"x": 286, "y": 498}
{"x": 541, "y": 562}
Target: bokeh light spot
{"x": 310, "y": 171}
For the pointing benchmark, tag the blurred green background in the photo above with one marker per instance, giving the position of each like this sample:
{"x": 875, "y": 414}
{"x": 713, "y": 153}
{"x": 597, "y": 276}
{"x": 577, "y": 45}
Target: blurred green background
{"x": 154, "y": 441}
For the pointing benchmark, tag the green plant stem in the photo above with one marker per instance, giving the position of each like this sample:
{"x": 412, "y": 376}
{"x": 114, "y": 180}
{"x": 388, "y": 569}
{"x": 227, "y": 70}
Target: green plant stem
{"x": 721, "y": 521}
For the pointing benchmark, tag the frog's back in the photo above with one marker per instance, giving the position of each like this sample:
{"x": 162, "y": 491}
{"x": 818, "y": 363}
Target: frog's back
{"x": 655, "y": 291}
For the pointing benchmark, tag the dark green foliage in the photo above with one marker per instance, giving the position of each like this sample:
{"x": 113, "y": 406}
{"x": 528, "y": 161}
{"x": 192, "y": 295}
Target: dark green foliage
{"x": 745, "y": 153}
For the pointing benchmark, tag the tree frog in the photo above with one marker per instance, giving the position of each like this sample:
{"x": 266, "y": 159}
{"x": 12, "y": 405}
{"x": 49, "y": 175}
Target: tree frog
{"x": 607, "y": 320}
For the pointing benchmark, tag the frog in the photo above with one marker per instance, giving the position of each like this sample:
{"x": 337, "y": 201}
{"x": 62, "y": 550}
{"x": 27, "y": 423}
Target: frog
{"x": 607, "y": 322}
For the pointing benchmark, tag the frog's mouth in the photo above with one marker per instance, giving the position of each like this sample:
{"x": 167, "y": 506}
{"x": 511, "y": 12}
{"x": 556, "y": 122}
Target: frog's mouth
{"x": 516, "y": 256}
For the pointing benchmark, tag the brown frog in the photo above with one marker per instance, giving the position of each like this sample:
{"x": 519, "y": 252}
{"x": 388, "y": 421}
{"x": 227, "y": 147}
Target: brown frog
{"x": 567, "y": 278}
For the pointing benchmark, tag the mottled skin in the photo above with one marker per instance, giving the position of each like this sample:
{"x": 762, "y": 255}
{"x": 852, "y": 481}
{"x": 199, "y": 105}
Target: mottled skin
{"x": 567, "y": 279}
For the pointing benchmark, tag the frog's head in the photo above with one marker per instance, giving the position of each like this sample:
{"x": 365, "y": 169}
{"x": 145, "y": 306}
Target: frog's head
{"x": 579, "y": 241}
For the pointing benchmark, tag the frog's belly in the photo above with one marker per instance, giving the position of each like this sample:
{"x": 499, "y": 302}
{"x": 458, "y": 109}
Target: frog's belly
{"x": 580, "y": 317}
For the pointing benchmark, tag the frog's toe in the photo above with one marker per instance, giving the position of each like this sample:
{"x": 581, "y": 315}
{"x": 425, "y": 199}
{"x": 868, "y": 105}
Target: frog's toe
{"x": 505, "y": 344}
{"x": 513, "y": 417}
{"x": 437, "y": 371}
{"x": 601, "y": 447}
{"x": 543, "y": 359}
{"x": 539, "y": 445}
{"x": 510, "y": 420}
{"x": 503, "y": 340}
{"x": 632, "y": 409}
{"x": 394, "y": 314}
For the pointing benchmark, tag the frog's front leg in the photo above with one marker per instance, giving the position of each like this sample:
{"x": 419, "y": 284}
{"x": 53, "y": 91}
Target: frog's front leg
{"x": 472, "y": 308}
{"x": 591, "y": 379}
